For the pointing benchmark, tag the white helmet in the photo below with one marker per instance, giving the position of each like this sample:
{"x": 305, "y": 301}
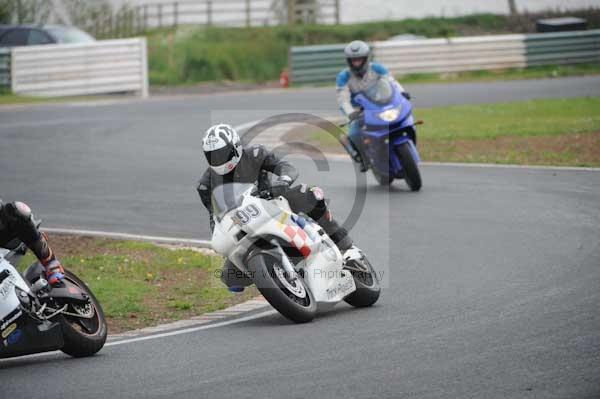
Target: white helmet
{"x": 222, "y": 147}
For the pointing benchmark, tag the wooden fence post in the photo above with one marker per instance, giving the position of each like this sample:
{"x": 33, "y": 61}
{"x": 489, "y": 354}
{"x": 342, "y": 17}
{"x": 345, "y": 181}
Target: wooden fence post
{"x": 337, "y": 12}
{"x": 111, "y": 26}
{"x": 145, "y": 17}
{"x": 138, "y": 20}
{"x": 160, "y": 15}
{"x": 209, "y": 13}
{"x": 291, "y": 12}
{"x": 175, "y": 14}
{"x": 248, "y": 23}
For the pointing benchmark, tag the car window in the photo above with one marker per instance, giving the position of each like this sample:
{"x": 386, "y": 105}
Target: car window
{"x": 38, "y": 37}
{"x": 15, "y": 37}
{"x": 69, "y": 35}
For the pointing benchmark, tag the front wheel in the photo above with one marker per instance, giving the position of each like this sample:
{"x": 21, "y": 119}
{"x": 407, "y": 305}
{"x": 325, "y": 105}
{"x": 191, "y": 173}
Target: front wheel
{"x": 367, "y": 283}
{"x": 290, "y": 297}
{"x": 383, "y": 180}
{"x": 84, "y": 328}
{"x": 412, "y": 176}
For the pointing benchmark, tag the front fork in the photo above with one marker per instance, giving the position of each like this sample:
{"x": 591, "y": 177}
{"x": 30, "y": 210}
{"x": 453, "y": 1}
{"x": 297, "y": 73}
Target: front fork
{"x": 287, "y": 265}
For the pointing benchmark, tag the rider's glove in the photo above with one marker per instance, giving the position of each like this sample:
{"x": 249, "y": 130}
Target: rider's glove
{"x": 406, "y": 95}
{"x": 280, "y": 186}
{"x": 354, "y": 115}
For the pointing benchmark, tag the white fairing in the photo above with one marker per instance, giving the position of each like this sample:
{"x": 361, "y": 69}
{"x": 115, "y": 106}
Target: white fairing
{"x": 323, "y": 273}
{"x": 8, "y": 298}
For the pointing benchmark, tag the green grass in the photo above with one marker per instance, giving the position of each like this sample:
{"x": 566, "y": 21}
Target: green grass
{"x": 550, "y": 131}
{"x": 141, "y": 284}
{"x": 523, "y": 118}
{"x": 537, "y": 72}
{"x": 198, "y": 54}
{"x": 13, "y": 99}
{"x": 9, "y": 99}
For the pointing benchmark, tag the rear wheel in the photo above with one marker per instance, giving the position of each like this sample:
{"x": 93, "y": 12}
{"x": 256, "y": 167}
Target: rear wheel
{"x": 367, "y": 283}
{"x": 85, "y": 334}
{"x": 291, "y": 297}
{"x": 412, "y": 176}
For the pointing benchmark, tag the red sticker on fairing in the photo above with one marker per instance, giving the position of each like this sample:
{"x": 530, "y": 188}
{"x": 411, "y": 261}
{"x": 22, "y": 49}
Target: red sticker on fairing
{"x": 299, "y": 239}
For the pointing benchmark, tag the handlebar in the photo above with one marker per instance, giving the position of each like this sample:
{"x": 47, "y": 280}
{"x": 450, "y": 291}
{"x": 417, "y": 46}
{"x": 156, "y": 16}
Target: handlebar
{"x": 361, "y": 113}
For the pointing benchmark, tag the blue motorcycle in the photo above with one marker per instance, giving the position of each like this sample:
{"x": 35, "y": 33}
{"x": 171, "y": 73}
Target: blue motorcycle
{"x": 388, "y": 135}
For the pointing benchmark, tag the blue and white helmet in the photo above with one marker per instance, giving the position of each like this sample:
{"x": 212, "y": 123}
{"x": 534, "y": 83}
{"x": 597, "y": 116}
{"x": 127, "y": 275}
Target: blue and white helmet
{"x": 222, "y": 147}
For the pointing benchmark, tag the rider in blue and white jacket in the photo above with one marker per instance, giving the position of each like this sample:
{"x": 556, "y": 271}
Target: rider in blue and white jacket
{"x": 359, "y": 76}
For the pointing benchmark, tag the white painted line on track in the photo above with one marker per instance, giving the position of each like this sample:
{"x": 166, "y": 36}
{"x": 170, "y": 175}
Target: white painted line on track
{"x": 127, "y": 236}
{"x": 345, "y": 158}
{"x": 193, "y": 329}
{"x": 510, "y": 166}
{"x": 155, "y": 336}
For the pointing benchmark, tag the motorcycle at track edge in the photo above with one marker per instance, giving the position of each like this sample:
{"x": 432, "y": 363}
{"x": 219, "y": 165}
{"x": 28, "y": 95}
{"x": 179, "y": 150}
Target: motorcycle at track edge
{"x": 294, "y": 264}
{"x": 35, "y": 317}
{"x": 388, "y": 135}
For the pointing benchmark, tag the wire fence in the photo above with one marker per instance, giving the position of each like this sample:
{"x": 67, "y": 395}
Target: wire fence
{"x": 130, "y": 21}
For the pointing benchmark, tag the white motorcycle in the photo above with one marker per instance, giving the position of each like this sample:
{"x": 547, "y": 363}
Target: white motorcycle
{"x": 294, "y": 264}
{"x": 35, "y": 317}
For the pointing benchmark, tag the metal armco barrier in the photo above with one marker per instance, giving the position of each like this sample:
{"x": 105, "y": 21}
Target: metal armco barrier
{"x": 562, "y": 48}
{"x": 109, "y": 66}
{"x": 316, "y": 64}
{"x": 451, "y": 55}
{"x": 320, "y": 64}
{"x": 4, "y": 67}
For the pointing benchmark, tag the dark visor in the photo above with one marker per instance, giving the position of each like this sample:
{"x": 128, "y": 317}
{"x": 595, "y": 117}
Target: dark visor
{"x": 220, "y": 156}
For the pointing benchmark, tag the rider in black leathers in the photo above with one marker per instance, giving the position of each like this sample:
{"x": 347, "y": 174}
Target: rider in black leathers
{"x": 16, "y": 222}
{"x": 230, "y": 162}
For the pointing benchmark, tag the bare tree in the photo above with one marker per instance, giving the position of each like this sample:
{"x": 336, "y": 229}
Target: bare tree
{"x": 5, "y": 16}
{"x": 26, "y": 11}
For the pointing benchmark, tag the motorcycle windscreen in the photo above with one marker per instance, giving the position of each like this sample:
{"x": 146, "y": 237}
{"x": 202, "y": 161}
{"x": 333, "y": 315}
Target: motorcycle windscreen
{"x": 229, "y": 196}
{"x": 380, "y": 92}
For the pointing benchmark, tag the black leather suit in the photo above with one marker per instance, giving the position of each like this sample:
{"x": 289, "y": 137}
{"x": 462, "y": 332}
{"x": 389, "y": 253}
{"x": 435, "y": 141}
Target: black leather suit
{"x": 310, "y": 200}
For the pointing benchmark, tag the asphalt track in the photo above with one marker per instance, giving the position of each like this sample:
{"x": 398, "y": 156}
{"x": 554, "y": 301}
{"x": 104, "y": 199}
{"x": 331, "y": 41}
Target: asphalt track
{"x": 492, "y": 274}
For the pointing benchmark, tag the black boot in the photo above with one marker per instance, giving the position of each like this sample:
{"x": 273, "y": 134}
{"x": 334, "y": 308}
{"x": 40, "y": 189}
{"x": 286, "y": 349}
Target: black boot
{"x": 353, "y": 152}
{"x": 338, "y": 234}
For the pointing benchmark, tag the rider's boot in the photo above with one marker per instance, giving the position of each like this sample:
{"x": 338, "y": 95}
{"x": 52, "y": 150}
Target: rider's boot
{"x": 53, "y": 269}
{"x": 353, "y": 152}
{"x": 340, "y": 237}
{"x": 233, "y": 278}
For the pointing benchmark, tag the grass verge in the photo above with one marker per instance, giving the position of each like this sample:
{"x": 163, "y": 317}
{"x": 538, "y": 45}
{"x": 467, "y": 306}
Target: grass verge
{"x": 142, "y": 284}
{"x": 14, "y": 99}
{"x": 9, "y": 99}
{"x": 197, "y": 54}
{"x": 537, "y": 72}
{"x": 537, "y": 132}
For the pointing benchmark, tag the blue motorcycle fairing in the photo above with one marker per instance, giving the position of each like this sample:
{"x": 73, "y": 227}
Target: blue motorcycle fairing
{"x": 380, "y": 138}
{"x": 372, "y": 111}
